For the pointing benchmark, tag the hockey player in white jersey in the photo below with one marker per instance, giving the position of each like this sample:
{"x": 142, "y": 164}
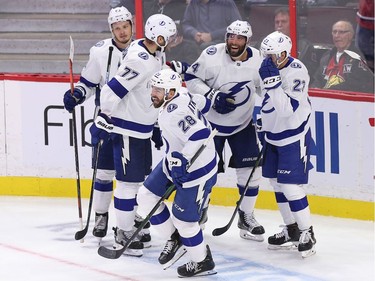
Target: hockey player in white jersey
{"x": 285, "y": 123}
{"x": 184, "y": 130}
{"x": 105, "y": 58}
{"x": 227, "y": 74}
{"x": 127, "y": 118}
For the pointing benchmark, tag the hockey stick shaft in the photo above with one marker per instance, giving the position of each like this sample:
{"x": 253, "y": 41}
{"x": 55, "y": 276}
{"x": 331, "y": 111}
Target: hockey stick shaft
{"x": 221, "y": 230}
{"x": 80, "y": 234}
{"x": 75, "y": 142}
{"x": 108, "y": 70}
{"x": 115, "y": 254}
{"x": 83, "y": 232}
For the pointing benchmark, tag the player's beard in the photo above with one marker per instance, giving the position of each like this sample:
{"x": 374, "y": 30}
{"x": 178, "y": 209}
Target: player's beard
{"x": 157, "y": 103}
{"x": 235, "y": 53}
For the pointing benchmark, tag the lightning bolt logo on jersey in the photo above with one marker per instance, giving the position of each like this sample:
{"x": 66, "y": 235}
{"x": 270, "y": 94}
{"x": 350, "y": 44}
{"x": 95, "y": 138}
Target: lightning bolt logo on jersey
{"x": 214, "y": 69}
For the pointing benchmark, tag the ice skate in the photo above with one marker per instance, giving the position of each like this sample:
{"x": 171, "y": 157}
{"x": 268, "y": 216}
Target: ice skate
{"x": 287, "y": 239}
{"x": 122, "y": 237}
{"x": 250, "y": 229}
{"x": 192, "y": 269}
{"x": 144, "y": 235}
{"x": 172, "y": 252}
{"x": 101, "y": 226}
{"x": 307, "y": 243}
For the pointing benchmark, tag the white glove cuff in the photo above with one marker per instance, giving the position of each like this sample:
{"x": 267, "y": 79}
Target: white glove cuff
{"x": 271, "y": 82}
{"x": 101, "y": 123}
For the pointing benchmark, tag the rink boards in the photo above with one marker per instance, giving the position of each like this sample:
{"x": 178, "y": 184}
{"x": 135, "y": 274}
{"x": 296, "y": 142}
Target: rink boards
{"x": 37, "y": 154}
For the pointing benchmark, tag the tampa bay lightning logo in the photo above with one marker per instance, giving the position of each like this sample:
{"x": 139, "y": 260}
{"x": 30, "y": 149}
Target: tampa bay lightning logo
{"x": 143, "y": 55}
{"x": 99, "y": 44}
{"x": 171, "y": 107}
{"x": 162, "y": 23}
{"x": 211, "y": 50}
{"x": 240, "y": 91}
{"x": 295, "y": 65}
{"x": 281, "y": 40}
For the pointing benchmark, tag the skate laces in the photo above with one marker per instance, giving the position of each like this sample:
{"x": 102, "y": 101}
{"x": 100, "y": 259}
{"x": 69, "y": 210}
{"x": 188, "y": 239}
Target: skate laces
{"x": 192, "y": 266}
{"x": 100, "y": 222}
{"x": 305, "y": 236}
{"x": 250, "y": 219}
{"x": 283, "y": 233}
{"x": 169, "y": 246}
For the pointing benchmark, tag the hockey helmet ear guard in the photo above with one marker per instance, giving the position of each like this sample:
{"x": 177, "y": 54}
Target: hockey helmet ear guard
{"x": 166, "y": 79}
{"x": 160, "y": 25}
{"x": 119, "y": 14}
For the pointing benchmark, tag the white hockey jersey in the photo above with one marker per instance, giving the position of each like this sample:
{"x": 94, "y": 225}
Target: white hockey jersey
{"x": 127, "y": 96}
{"x": 214, "y": 69}
{"x": 95, "y": 72}
{"x": 182, "y": 124}
{"x": 286, "y": 110}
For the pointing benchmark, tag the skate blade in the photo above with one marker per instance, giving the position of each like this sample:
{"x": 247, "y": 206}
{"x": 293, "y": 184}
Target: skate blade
{"x": 133, "y": 253}
{"x": 180, "y": 252}
{"x": 128, "y": 252}
{"x": 244, "y": 234}
{"x": 285, "y": 247}
{"x": 206, "y": 273}
{"x": 146, "y": 244}
{"x": 308, "y": 253}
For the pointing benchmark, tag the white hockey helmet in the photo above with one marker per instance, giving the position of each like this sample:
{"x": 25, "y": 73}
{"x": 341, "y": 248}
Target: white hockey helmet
{"x": 239, "y": 27}
{"x": 119, "y": 14}
{"x": 160, "y": 25}
{"x": 275, "y": 44}
{"x": 166, "y": 79}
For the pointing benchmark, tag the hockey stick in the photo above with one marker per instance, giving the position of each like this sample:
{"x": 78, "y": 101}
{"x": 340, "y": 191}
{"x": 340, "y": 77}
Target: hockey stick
{"x": 74, "y": 125}
{"x": 116, "y": 253}
{"x": 221, "y": 230}
{"x": 110, "y": 50}
{"x": 82, "y": 233}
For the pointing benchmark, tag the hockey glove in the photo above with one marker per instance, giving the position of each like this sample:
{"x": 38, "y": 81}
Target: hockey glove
{"x": 223, "y": 104}
{"x": 178, "y": 164}
{"x": 101, "y": 128}
{"x": 156, "y": 138}
{"x": 270, "y": 74}
{"x": 71, "y": 100}
{"x": 179, "y": 66}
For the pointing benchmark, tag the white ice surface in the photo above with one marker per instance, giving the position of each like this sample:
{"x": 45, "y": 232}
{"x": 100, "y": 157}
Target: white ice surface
{"x": 37, "y": 243}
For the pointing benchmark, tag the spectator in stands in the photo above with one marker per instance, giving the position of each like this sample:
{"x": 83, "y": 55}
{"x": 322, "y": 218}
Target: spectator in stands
{"x": 365, "y": 31}
{"x": 306, "y": 52}
{"x": 175, "y": 9}
{"x": 342, "y": 68}
{"x": 205, "y": 23}
{"x": 126, "y": 3}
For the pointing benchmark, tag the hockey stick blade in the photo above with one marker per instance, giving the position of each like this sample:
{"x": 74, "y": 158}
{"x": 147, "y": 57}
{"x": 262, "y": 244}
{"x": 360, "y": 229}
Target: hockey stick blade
{"x": 221, "y": 230}
{"x": 116, "y": 253}
{"x": 81, "y": 233}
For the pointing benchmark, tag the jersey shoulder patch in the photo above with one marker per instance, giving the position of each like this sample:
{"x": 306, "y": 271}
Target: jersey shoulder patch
{"x": 171, "y": 107}
{"x": 211, "y": 50}
{"x": 295, "y": 64}
{"x": 99, "y": 44}
{"x": 143, "y": 55}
